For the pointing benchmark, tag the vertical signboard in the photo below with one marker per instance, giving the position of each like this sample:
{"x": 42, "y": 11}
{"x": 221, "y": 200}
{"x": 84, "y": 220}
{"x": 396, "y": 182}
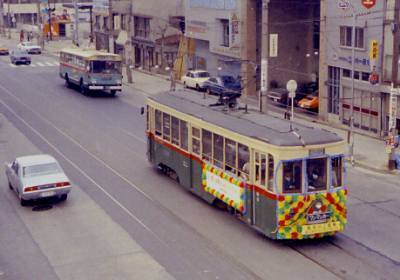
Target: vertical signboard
{"x": 393, "y": 108}
{"x": 273, "y": 45}
{"x": 264, "y": 75}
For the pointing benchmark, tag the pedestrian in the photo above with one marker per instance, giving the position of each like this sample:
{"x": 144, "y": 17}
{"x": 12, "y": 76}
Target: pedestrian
{"x": 287, "y": 115}
{"x": 172, "y": 78}
{"x": 28, "y": 36}
{"x": 21, "y": 36}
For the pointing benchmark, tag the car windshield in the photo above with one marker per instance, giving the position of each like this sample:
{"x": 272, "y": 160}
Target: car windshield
{"x": 228, "y": 79}
{"x": 202, "y": 75}
{"x": 20, "y": 52}
{"x": 310, "y": 97}
{"x": 113, "y": 67}
{"x": 28, "y": 44}
{"x": 41, "y": 169}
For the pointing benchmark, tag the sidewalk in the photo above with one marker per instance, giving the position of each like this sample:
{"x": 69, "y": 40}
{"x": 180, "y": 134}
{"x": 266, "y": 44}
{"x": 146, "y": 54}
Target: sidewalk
{"x": 369, "y": 152}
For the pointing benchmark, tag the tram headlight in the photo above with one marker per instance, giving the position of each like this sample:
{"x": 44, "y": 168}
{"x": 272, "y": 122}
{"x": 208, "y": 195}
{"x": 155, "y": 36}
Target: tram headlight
{"x": 318, "y": 205}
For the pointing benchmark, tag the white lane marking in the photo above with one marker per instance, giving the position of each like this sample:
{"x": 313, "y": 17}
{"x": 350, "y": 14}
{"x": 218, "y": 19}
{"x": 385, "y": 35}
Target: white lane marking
{"x": 56, "y": 63}
{"x": 129, "y": 213}
{"x": 40, "y": 64}
{"x": 12, "y": 65}
{"x": 132, "y": 135}
{"x": 49, "y": 64}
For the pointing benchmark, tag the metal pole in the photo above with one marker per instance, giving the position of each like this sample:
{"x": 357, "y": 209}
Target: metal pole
{"x": 353, "y": 44}
{"x": 264, "y": 56}
{"x": 91, "y": 24}
{"x": 39, "y": 25}
{"x": 76, "y": 29}
{"x": 50, "y": 31}
{"x": 292, "y": 113}
{"x": 2, "y": 30}
{"x": 395, "y": 72}
{"x": 8, "y": 19}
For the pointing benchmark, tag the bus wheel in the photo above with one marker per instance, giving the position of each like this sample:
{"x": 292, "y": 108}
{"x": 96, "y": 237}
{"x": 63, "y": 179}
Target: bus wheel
{"x": 82, "y": 88}
{"x": 67, "y": 82}
{"x": 113, "y": 92}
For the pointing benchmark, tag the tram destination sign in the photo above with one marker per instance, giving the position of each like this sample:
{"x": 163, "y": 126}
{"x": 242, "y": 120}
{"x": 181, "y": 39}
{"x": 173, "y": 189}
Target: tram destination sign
{"x": 318, "y": 218}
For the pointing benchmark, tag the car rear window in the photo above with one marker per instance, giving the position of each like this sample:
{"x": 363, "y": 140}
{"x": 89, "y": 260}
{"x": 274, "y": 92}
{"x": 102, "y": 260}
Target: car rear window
{"x": 41, "y": 169}
{"x": 203, "y": 75}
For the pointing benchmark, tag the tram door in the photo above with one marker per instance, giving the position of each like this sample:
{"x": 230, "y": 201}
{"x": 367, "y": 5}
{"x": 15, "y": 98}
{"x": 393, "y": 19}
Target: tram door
{"x": 262, "y": 205}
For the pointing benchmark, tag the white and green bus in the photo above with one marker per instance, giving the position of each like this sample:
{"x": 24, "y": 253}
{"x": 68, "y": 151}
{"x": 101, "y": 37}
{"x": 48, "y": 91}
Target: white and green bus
{"x": 91, "y": 70}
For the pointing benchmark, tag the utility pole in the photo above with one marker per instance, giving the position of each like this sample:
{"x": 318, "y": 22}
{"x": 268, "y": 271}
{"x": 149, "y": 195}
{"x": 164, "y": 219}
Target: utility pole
{"x": 395, "y": 72}
{"x": 39, "y": 25}
{"x": 128, "y": 49}
{"x": 8, "y": 19}
{"x": 264, "y": 56}
{"x": 76, "y": 24}
{"x": 2, "y": 30}
{"x": 350, "y": 138}
{"x": 50, "y": 29}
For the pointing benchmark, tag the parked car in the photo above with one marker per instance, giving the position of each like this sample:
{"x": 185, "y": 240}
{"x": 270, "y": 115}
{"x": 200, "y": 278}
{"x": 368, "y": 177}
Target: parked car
{"x": 37, "y": 176}
{"x": 20, "y": 56}
{"x": 281, "y": 95}
{"x": 30, "y": 47}
{"x": 310, "y": 102}
{"x": 195, "y": 79}
{"x": 3, "y": 50}
{"x": 222, "y": 84}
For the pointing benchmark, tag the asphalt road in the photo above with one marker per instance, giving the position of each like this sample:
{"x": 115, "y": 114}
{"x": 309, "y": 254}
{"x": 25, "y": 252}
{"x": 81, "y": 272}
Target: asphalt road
{"x": 100, "y": 142}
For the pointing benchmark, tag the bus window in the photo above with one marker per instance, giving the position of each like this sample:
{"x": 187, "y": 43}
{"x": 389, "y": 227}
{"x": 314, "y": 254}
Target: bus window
{"x": 166, "y": 127}
{"x": 292, "y": 176}
{"x": 196, "y": 140}
{"x": 184, "y": 135}
{"x": 218, "y": 154}
{"x": 263, "y": 169}
{"x": 107, "y": 67}
{"x": 207, "y": 144}
{"x": 270, "y": 185}
{"x": 243, "y": 160}
{"x": 230, "y": 156}
{"x": 337, "y": 172}
{"x": 158, "y": 123}
{"x": 316, "y": 174}
{"x": 175, "y": 131}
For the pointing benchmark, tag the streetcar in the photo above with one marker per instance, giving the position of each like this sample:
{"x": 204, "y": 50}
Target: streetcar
{"x": 91, "y": 70}
{"x": 284, "y": 179}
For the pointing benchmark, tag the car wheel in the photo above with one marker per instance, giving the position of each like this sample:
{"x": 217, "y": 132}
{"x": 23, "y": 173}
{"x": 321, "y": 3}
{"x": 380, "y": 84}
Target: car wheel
{"x": 184, "y": 85}
{"x": 24, "y": 202}
{"x": 113, "y": 92}
{"x": 208, "y": 91}
{"x": 28, "y": 62}
{"x": 9, "y": 185}
{"x": 197, "y": 87}
{"x": 63, "y": 197}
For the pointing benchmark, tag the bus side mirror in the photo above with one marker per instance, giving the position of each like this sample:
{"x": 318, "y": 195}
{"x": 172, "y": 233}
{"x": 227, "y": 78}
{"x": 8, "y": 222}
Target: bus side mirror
{"x": 142, "y": 110}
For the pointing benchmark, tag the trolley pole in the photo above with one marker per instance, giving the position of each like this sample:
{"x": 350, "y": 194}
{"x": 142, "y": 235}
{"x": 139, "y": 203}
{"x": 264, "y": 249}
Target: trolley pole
{"x": 395, "y": 81}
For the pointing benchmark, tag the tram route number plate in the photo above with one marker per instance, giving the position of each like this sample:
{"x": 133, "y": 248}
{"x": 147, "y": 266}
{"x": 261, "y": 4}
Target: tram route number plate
{"x": 320, "y": 228}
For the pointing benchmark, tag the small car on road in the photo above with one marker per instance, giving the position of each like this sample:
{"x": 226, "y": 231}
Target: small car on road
{"x": 30, "y": 47}
{"x": 310, "y": 102}
{"x": 222, "y": 84}
{"x": 3, "y": 50}
{"x": 20, "y": 56}
{"x": 37, "y": 176}
{"x": 195, "y": 79}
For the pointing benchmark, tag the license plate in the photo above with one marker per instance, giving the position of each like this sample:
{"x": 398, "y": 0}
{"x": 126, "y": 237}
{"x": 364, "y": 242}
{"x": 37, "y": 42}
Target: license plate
{"x": 320, "y": 228}
{"x": 47, "y": 194}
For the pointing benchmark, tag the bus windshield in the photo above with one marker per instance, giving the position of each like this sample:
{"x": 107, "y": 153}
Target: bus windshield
{"x": 106, "y": 67}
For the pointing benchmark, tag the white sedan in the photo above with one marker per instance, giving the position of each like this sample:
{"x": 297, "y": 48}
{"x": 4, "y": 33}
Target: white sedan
{"x": 30, "y": 47}
{"x": 195, "y": 79}
{"x": 37, "y": 176}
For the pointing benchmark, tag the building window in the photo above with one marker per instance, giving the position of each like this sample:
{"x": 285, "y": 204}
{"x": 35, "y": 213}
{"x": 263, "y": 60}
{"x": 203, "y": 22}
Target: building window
{"x": 142, "y": 27}
{"x": 346, "y": 34}
{"x": 116, "y": 22}
{"x": 123, "y": 22}
{"x": 333, "y": 90}
{"x": 97, "y": 22}
{"x": 225, "y": 32}
{"x": 105, "y": 23}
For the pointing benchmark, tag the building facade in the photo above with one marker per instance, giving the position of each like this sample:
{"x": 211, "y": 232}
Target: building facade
{"x": 364, "y": 94}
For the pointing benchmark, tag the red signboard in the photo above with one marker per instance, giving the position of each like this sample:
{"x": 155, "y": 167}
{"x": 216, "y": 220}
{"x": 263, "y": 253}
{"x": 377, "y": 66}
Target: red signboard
{"x": 368, "y": 3}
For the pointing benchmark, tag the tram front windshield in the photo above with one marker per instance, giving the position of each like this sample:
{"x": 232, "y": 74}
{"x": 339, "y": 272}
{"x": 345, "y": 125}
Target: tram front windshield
{"x": 314, "y": 179}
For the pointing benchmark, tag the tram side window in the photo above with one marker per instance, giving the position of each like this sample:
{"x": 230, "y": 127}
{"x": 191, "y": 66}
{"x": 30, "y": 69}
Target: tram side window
{"x": 337, "y": 172}
{"x": 218, "y": 154}
{"x": 292, "y": 180}
{"x": 230, "y": 156}
{"x": 158, "y": 123}
{"x": 316, "y": 174}
{"x": 175, "y": 131}
{"x": 196, "y": 140}
{"x": 207, "y": 144}
{"x": 270, "y": 185}
{"x": 243, "y": 160}
{"x": 166, "y": 127}
{"x": 184, "y": 135}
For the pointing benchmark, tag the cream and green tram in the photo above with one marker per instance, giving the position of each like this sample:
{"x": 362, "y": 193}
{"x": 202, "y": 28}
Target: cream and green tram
{"x": 285, "y": 181}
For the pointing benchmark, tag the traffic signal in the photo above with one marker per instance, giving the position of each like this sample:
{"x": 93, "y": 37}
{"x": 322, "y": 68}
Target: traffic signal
{"x": 182, "y": 25}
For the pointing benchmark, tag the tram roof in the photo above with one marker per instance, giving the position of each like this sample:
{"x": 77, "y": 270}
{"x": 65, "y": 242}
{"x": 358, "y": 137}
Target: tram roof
{"x": 263, "y": 127}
